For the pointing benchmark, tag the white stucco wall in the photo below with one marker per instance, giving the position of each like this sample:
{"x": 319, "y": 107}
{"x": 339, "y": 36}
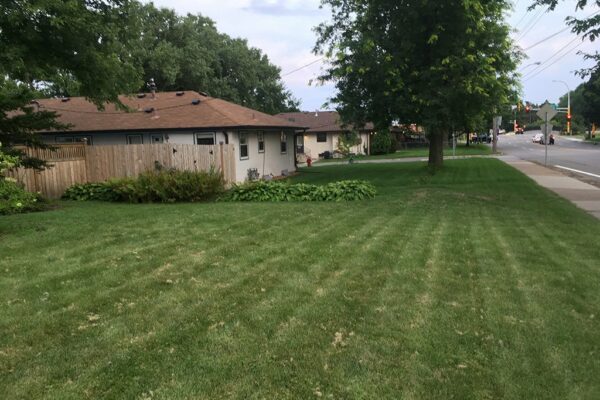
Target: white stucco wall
{"x": 314, "y": 148}
{"x": 271, "y": 161}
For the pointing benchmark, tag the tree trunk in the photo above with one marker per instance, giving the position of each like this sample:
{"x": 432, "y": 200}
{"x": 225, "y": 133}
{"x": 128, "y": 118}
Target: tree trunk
{"x": 436, "y": 149}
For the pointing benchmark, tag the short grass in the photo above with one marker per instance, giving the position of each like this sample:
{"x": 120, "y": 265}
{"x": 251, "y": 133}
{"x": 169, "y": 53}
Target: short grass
{"x": 470, "y": 284}
{"x": 461, "y": 150}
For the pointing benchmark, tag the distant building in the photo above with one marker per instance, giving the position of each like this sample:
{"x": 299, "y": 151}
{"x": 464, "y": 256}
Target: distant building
{"x": 323, "y": 133}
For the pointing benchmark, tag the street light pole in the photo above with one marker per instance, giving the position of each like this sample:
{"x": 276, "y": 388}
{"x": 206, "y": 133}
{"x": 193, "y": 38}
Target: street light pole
{"x": 568, "y": 104}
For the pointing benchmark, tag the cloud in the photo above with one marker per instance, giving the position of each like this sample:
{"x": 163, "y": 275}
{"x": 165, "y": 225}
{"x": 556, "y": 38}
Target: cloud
{"x": 284, "y": 8}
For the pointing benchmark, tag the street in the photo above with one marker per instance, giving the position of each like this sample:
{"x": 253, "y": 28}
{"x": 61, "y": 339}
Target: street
{"x": 567, "y": 153}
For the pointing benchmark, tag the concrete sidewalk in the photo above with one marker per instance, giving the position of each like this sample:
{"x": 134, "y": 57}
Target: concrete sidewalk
{"x": 582, "y": 194}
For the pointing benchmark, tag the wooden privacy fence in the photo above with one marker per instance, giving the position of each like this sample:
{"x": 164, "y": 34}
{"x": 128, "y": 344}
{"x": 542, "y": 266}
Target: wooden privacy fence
{"x": 79, "y": 163}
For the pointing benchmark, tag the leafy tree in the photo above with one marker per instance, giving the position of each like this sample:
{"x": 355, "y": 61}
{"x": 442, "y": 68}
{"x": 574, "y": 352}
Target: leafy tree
{"x": 381, "y": 142}
{"x": 188, "y": 53}
{"x": 588, "y": 27}
{"x": 40, "y": 40}
{"x": 424, "y": 62}
{"x": 591, "y": 98}
{"x": 346, "y": 141}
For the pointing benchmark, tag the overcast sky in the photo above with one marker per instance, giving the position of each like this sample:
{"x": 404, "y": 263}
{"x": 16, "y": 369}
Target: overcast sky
{"x": 283, "y": 29}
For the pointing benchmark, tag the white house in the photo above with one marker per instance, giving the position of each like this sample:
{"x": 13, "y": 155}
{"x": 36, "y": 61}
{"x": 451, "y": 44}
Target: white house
{"x": 264, "y": 144}
{"x": 323, "y": 133}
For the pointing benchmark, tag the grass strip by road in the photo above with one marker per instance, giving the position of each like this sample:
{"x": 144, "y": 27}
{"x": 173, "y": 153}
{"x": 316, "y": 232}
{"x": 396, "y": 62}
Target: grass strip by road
{"x": 461, "y": 150}
{"x": 472, "y": 283}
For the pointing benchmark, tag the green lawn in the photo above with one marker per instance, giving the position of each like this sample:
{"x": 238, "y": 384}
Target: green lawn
{"x": 470, "y": 284}
{"x": 461, "y": 150}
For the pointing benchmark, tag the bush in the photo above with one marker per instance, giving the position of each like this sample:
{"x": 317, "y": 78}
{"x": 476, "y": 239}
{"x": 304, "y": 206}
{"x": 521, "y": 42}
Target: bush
{"x": 14, "y": 199}
{"x": 382, "y": 143}
{"x": 102, "y": 191}
{"x": 163, "y": 186}
{"x": 284, "y": 191}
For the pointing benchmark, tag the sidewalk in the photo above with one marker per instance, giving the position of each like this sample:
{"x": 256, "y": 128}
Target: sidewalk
{"x": 582, "y": 194}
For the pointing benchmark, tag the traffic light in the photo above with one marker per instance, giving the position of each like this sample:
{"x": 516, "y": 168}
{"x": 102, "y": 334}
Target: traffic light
{"x": 569, "y": 118}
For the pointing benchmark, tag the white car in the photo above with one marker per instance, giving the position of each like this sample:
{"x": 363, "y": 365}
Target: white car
{"x": 538, "y": 138}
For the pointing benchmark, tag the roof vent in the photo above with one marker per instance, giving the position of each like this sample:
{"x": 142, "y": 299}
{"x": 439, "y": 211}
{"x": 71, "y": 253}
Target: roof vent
{"x": 141, "y": 95}
{"x": 196, "y": 102}
{"x": 65, "y": 99}
{"x": 179, "y": 93}
{"x": 203, "y": 94}
{"x": 149, "y": 110}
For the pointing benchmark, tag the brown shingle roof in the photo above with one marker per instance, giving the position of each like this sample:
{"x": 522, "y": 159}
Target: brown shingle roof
{"x": 170, "y": 112}
{"x": 319, "y": 121}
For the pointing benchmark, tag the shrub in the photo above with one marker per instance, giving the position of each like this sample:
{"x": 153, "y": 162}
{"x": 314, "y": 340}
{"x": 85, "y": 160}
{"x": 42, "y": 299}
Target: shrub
{"x": 102, "y": 191}
{"x": 382, "y": 143}
{"x": 14, "y": 199}
{"x": 283, "y": 191}
{"x": 164, "y": 186}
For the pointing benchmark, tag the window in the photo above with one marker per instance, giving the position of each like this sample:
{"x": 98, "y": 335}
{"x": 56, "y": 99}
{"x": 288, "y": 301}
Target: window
{"x": 64, "y": 139}
{"x": 83, "y": 139}
{"x": 74, "y": 139}
{"x": 205, "y": 138}
{"x": 283, "y": 143}
{"x": 243, "y": 146}
{"x": 157, "y": 138}
{"x": 134, "y": 139}
{"x": 261, "y": 141}
{"x": 321, "y": 137}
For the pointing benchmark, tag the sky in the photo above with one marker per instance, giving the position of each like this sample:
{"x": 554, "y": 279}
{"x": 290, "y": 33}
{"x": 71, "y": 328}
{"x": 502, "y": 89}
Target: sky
{"x": 283, "y": 29}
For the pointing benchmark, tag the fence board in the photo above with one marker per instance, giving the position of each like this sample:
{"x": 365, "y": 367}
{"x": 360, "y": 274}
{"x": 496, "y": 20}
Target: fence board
{"x": 78, "y": 163}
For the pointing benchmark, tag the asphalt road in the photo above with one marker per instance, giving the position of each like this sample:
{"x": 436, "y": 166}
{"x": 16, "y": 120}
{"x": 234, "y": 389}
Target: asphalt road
{"x": 565, "y": 153}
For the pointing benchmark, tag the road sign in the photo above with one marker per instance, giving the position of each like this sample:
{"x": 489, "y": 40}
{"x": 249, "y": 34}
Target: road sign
{"x": 546, "y": 112}
{"x": 546, "y": 129}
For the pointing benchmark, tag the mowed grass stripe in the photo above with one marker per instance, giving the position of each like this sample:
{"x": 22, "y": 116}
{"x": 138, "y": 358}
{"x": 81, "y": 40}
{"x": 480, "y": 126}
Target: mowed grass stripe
{"x": 308, "y": 300}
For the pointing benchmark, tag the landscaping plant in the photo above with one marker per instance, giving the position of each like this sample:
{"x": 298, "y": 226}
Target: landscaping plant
{"x": 14, "y": 199}
{"x": 275, "y": 191}
{"x": 160, "y": 186}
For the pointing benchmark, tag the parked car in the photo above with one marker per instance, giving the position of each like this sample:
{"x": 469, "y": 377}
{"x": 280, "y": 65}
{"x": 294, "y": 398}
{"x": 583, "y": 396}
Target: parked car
{"x": 519, "y": 130}
{"x": 538, "y": 138}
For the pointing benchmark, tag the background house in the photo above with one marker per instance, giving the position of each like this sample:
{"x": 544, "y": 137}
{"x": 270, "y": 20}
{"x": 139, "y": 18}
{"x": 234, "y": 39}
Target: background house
{"x": 263, "y": 143}
{"x": 324, "y": 130}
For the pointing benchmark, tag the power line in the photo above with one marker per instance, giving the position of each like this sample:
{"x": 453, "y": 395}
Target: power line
{"x": 536, "y": 69}
{"x": 547, "y": 38}
{"x": 302, "y": 67}
{"x": 525, "y": 32}
{"x": 556, "y": 33}
{"x": 555, "y": 61}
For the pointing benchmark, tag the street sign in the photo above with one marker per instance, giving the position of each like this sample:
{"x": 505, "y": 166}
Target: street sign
{"x": 546, "y": 129}
{"x": 546, "y": 112}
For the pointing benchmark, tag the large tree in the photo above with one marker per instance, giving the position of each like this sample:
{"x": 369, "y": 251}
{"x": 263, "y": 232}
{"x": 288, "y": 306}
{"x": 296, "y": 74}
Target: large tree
{"x": 419, "y": 61}
{"x": 189, "y": 53}
{"x": 43, "y": 39}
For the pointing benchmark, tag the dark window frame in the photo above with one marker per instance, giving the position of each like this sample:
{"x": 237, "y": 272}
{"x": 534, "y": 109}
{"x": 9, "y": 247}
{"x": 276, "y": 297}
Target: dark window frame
{"x": 205, "y": 136}
{"x": 260, "y": 136}
{"x": 283, "y": 143}
{"x": 244, "y": 136}
{"x": 321, "y": 137}
{"x": 129, "y": 137}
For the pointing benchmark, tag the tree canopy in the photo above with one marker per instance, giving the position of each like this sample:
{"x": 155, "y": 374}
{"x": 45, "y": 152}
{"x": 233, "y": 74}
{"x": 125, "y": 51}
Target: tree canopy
{"x": 189, "y": 53}
{"x": 40, "y": 40}
{"x": 437, "y": 64}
